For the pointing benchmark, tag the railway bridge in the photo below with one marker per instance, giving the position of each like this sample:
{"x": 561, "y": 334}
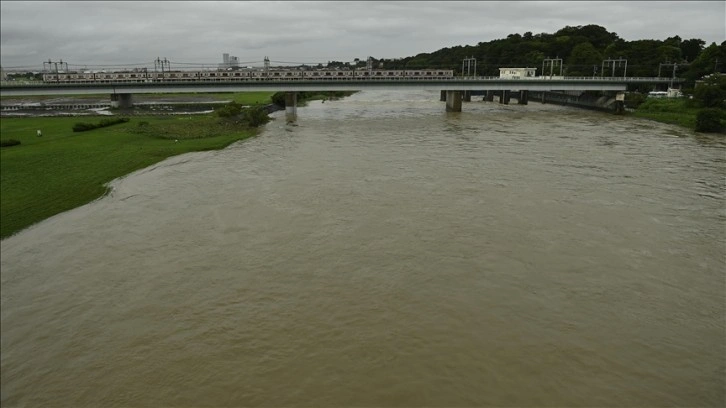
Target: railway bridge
{"x": 453, "y": 90}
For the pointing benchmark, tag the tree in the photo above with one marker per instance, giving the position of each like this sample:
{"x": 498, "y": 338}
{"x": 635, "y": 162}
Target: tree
{"x": 711, "y": 93}
{"x": 582, "y": 58}
{"x": 710, "y": 120}
{"x": 691, "y": 48}
{"x": 256, "y": 116}
{"x": 708, "y": 61}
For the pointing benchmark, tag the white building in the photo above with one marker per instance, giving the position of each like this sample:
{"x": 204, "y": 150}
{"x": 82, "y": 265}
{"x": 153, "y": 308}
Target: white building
{"x": 516, "y": 73}
{"x": 229, "y": 61}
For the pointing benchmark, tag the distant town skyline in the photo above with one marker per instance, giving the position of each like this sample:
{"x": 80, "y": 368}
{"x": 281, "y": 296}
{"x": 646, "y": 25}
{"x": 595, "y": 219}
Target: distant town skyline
{"x": 114, "y": 33}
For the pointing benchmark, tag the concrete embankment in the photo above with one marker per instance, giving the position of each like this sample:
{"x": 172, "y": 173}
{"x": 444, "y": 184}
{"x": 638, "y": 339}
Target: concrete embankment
{"x": 606, "y": 103}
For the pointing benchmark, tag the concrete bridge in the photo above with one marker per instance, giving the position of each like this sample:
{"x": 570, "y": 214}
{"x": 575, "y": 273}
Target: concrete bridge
{"x": 453, "y": 89}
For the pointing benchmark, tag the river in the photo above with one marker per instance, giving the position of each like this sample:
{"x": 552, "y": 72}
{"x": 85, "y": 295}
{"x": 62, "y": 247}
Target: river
{"x": 382, "y": 252}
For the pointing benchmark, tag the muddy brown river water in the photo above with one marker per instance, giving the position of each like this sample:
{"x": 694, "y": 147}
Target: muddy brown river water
{"x": 383, "y": 252}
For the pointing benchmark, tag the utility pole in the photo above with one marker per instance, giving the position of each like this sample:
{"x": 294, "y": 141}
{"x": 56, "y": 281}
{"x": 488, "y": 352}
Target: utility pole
{"x": 468, "y": 62}
{"x": 161, "y": 63}
{"x": 619, "y": 61}
{"x": 552, "y": 62}
{"x": 54, "y": 65}
{"x": 675, "y": 67}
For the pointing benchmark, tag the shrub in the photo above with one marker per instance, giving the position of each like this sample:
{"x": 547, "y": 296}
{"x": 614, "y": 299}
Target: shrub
{"x": 229, "y": 110}
{"x": 82, "y": 126}
{"x": 279, "y": 99}
{"x": 634, "y": 99}
{"x": 256, "y": 116}
{"x": 9, "y": 142}
{"x": 709, "y": 120}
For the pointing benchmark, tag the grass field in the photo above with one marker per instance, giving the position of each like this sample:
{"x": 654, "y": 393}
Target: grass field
{"x": 243, "y": 98}
{"x": 44, "y": 176}
{"x": 667, "y": 110}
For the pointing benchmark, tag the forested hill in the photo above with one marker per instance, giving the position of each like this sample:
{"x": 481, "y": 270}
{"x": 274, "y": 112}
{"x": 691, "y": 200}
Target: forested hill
{"x": 582, "y": 50}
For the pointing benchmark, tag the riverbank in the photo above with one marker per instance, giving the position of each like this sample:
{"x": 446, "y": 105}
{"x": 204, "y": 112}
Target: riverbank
{"x": 668, "y": 110}
{"x": 44, "y": 176}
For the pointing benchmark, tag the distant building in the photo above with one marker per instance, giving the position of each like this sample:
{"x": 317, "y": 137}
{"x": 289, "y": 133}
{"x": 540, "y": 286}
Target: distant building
{"x": 229, "y": 62}
{"x": 517, "y": 73}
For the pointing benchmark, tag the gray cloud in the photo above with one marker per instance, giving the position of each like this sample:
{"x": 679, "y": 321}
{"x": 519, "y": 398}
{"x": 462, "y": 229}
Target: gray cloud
{"x": 127, "y": 32}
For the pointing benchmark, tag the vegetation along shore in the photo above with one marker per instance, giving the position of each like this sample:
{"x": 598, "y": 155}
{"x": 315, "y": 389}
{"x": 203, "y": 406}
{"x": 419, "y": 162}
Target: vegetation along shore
{"x": 41, "y": 176}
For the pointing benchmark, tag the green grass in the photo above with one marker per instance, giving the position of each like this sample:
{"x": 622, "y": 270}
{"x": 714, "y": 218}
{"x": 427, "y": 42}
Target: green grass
{"x": 243, "y": 98}
{"x": 61, "y": 170}
{"x": 668, "y": 110}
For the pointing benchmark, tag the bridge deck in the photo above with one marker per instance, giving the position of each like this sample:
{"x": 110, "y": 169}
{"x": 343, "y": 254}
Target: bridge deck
{"x": 353, "y": 84}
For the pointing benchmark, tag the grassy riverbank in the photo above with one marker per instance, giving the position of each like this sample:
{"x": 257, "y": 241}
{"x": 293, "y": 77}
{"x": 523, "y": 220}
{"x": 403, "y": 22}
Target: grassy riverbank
{"x": 668, "y": 110}
{"x": 44, "y": 176}
{"x": 243, "y": 98}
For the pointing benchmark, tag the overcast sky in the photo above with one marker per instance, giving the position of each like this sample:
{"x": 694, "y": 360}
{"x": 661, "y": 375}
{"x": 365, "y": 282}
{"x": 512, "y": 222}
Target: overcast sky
{"x": 93, "y": 33}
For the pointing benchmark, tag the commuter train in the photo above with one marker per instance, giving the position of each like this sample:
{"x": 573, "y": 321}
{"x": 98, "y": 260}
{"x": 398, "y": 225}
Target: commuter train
{"x": 142, "y": 76}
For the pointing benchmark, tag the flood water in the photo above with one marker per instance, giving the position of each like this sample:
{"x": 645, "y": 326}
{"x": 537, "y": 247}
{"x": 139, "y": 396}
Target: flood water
{"x": 385, "y": 253}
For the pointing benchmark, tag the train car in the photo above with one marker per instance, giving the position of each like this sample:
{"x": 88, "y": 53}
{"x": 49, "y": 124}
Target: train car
{"x": 141, "y": 76}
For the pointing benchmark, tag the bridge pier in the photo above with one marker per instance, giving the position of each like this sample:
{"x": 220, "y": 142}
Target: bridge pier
{"x": 523, "y": 98}
{"x": 504, "y": 98}
{"x": 291, "y": 106}
{"x": 489, "y": 96}
{"x": 620, "y": 102}
{"x": 453, "y": 101}
{"x": 443, "y": 96}
{"x": 466, "y": 96}
{"x": 123, "y": 101}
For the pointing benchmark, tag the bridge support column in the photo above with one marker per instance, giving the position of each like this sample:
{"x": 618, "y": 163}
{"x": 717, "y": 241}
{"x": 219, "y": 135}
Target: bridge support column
{"x": 523, "y": 98}
{"x": 453, "y": 101}
{"x": 123, "y": 101}
{"x": 489, "y": 96}
{"x": 504, "y": 98}
{"x": 443, "y": 96}
{"x": 620, "y": 102}
{"x": 466, "y": 96}
{"x": 291, "y": 106}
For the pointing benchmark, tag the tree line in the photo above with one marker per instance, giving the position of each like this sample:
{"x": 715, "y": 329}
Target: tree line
{"x": 581, "y": 50}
